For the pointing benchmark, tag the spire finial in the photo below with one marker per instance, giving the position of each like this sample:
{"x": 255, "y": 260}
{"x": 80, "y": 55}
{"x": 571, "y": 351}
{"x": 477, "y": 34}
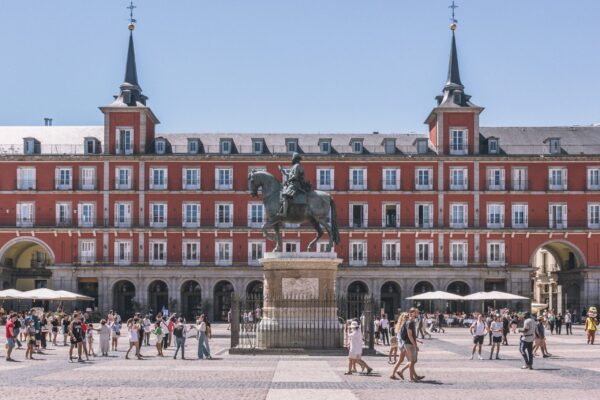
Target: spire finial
{"x": 132, "y": 21}
{"x": 453, "y": 19}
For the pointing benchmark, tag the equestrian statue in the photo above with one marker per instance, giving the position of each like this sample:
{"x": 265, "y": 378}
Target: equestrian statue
{"x": 294, "y": 203}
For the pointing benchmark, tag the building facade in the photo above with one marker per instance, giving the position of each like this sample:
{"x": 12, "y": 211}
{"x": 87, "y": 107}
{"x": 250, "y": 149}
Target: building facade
{"x": 139, "y": 219}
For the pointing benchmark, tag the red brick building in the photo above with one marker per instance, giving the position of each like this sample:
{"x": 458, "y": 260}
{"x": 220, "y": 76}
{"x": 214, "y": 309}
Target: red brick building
{"x": 127, "y": 215}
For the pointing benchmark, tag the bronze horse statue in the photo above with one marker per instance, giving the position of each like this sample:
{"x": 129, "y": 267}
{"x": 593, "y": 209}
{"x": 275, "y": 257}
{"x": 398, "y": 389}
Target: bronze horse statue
{"x": 315, "y": 210}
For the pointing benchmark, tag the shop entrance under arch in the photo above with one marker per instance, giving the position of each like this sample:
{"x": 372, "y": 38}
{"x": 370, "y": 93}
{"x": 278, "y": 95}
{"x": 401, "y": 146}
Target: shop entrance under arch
{"x": 222, "y": 298}
{"x": 459, "y": 288}
{"x": 390, "y": 299}
{"x": 158, "y": 297}
{"x": 191, "y": 299}
{"x": 123, "y": 296}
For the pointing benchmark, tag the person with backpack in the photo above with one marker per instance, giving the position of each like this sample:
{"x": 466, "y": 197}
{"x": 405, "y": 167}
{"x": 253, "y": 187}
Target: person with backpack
{"x": 410, "y": 344}
{"x": 400, "y": 333}
{"x": 179, "y": 332}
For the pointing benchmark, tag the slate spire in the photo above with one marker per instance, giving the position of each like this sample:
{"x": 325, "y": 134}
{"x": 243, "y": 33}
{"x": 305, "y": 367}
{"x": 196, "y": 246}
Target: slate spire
{"x": 130, "y": 69}
{"x": 453, "y": 72}
{"x": 130, "y": 91}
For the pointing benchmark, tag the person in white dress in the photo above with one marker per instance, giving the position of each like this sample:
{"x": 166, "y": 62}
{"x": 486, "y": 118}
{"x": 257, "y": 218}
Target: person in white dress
{"x": 355, "y": 345}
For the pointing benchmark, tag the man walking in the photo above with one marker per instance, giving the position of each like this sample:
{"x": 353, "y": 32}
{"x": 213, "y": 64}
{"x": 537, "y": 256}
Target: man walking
{"x": 10, "y": 336}
{"x": 527, "y": 336}
{"x": 478, "y": 330}
{"x": 568, "y": 323}
{"x": 409, "y": 337}
{"x": 384, "y": 328}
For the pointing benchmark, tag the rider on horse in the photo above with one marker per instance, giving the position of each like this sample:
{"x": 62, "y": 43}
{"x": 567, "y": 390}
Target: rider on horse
{"x": 293, "y": 185}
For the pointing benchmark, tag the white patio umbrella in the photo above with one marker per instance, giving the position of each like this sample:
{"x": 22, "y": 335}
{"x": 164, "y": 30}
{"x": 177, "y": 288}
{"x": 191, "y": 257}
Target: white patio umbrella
{"x": 438, "y": 295}
{"x": 41, "y": 294}
{"x": 494, "y": 295}
{"x": 65, "y": 295}
{"x": 11, "y": 294}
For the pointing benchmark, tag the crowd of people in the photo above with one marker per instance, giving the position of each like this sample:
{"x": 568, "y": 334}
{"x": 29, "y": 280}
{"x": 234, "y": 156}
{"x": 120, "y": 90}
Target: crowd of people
{"x": 35, "y": 330}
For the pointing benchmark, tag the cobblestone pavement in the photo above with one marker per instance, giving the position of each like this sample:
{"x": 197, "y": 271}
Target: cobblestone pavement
{"x": 572, "y": 370}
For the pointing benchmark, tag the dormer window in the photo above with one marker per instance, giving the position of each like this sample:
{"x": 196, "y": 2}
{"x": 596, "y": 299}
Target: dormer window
{"x": 257, "y": 146}
{"x": 193, "y": 146}
{"x": 159, "y": 146}
{"x": 421, "y": 146}
{"x": 389, "y": 146}
{"x": 124, "y": 141}
{"x": 226, "y": 146}
{"x": 325, "y": 146}
{"x": 31, "y": 146}
{"x": 91, "y": 145}
{"x": 357, "y": 146}
{"x": 291, "y": 145}
{"x": 458, "y": 141}
{"x": 493, "y": 147}
{"x": 554, "y": 146}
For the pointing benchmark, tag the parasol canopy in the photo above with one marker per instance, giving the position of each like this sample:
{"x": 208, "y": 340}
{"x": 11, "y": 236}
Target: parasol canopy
{"x": 11, "y": 294}
{"x": 438, "y": 295}
{"x": 494, "y": 295}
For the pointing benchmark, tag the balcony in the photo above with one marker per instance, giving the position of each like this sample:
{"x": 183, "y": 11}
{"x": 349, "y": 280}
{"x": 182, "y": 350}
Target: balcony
{"x": 25, "y": 184}
{"x": 495, "y": 185}
{"x": 519, "y": 185}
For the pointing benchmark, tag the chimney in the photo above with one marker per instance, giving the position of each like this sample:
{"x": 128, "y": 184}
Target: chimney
{"x": 47, "y": 121}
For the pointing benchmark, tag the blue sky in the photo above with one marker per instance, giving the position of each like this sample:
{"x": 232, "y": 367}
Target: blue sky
{"x": 300, "y": 65}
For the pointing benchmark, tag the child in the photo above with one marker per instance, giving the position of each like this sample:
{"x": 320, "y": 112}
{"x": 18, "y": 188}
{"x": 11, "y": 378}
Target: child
{"x": 159, "y": 335}
{"x": 393, "y": 350}
{"x": 355, "y": 346}
{"x": 90, "y": 339}
{"x": 30, "y": 338}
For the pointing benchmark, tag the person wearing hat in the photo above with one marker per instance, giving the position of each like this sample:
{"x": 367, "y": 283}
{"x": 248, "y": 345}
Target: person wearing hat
{"x": 355, "y": 345}
{"x": 527, "y": 336}
{"x": 294, "y": 184}
{"x": 540, "y": 337}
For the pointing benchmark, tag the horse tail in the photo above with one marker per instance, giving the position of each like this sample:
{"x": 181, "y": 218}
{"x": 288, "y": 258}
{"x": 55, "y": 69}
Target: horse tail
{"x": 335, "y": 232}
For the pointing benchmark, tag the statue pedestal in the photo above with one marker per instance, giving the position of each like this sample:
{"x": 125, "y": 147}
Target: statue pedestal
{"x": 300, "y": 304}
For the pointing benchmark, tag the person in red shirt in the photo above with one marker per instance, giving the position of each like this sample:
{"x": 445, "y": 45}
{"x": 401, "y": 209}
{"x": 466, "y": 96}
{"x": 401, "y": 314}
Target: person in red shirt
{"x": 10, "y": 336}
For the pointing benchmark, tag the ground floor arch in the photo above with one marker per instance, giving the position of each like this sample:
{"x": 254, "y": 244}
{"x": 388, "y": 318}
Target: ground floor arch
{"x": 123, "y": 297}
{"x": 459, "y": 288}
{"x": 423, "y": 287}
{"x": 222, "y": 300}
{"x": 25, "y": 260}
{"x": 390, "y": 300}
{"x": 158, "y": 296}
{"x": 191, "y": 299}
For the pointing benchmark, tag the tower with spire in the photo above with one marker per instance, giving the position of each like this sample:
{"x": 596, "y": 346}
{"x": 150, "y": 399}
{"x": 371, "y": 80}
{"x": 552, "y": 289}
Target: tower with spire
{"x": 454, "y": 122}
{"x": 129, "y": 125}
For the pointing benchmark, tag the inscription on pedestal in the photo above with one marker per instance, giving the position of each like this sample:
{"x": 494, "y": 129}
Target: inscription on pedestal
{"x": 300, "y": 287}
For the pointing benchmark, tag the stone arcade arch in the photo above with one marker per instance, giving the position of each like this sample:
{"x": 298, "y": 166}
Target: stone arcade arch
{"x": 222, "y": 299}
{"x": 25, "y": 260}
{"x": 123, "y": 296}
{"x": 390, "y": 299}
{"x": 357, "y": 293}
{"x": 462, "y": 289}
{"x": 423, "y": 287}
{"x": 191, "y": 299}
{"x": 158, "y": 296}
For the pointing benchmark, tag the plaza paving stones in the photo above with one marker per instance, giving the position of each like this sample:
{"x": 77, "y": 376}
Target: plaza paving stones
{"x": 573, "y": 370}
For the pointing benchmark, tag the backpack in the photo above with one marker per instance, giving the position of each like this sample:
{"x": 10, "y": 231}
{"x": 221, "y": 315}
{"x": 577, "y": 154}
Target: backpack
{"x": 178, "y": 331}
{"x": 404, "y": 333}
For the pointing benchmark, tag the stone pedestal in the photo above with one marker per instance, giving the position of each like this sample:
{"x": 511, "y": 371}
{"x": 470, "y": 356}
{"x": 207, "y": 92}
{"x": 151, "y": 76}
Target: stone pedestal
{"x": 300, "y": 304}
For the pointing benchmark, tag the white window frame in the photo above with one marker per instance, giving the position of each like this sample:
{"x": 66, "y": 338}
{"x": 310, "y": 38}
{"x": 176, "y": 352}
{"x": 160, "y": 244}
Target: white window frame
{"x": 555, "y": 172}
{"x": 289, "y": 244}
{"x": 128, "y": 185}
{"x": 355, "y": 250}
{"x": 224, "y": 261}
{"x": 422, "y": 146}
{"x": 492, "y": 183}
{"x": 128, "y": 252}
{"x": 424, "y": 258}
{"x": 491, "y": 222}
{"x": 456, "y": 185}
{"x": 291, "y": 145}
{"x": 426, "y": 224}
{"x": 128, "y": 148}
{"x": 24, "y": 182}
{"x": 224, "y": 185}
{"x": 186, "y": 258}
{"x": 87, "y": 178}
{"x": 127, "y": 219}
{"x": 322, "y": 247}
{"x": 500, "y": 259}
{"x": 160, "y": 146}
{"x": 67, "y": 219}
{"x": 360, "y": 183}
{"x": 384, "y": 221}
{"x": 159, "y": 185}
{"x": 388, "y": 184}
{"x": 154, "y": 257}
{"x": 60, "y": 182}
{"x": 357, "y": 147}
{"x": 562, "y": 224}
{"x": 87, "y": 251}
{"x": 519, "y": 178}
{"x": 554, "y": 146}
{"x": 326, "y": 170}
{"x": 158, "y": 221}
{"x": 80, "y": 221}
{"x": 184, "y": 178}
{"x": 524, "y": 207}
{"x": 420, "y": 178}
{"x": 260, "y": 149}
{"x": 493, "y": 147}
{"x": 184, "y": 214}
{"x": 260, "y": 219}
{"x": 252, "y": 244}
{"x": 220, "y": 224}
{"x": 593, "y": 215}
{"x": 456, "y": 223}
{"x": 593, "y": 178}
{"x": 25, "y": 219}
{"x": 455, "y": 259}
{"x": 395, "y": 259}
{"x": 365, "y": 216}
{"x": 454, "y": 148}
{"x": 193, "y": 146}
{"x": 325, "y": 147}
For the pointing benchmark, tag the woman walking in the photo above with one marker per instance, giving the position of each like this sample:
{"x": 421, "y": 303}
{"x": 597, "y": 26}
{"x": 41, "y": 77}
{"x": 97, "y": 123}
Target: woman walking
{"x": 133, "y": 328}
{"x": 158, "y": 334}
{"x": 30, "y": 338}
{"x": 203, "y": 336}
{"x": 400, "y": 332}
{"x": 104, "y": 333}
{"x": 115, "y": 333}
{"x": 355, "y": 345}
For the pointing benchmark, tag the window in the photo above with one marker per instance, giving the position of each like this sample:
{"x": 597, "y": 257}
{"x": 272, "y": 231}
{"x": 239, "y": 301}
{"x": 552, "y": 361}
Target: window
{"x": 519, "y": 215}
{"x": 325, "y": 146}
{"x": 123, "y": 215}
{"x": 123, "y": 254}
{"x": 158, "y": 252}
{"x": 554, "y": 146}
{"x": 224, "y": 178}
{"x": 424, "y": 249}
{"x": 25, "y": 214}
{"x": 87, "y": 178}
{"x": 557, "y": 179}
{"x": 226, "y": 146}
{"x": 391, "y": 253}
{"x": 391, "y": 215}
{"x": 358, "y": 179}
{"x": 495, "y": 215}
{"x": 422, "y": 146}
{"x": 458, "y": 142}
{"x": 193, "y": 146}
{"x": 63, "y": 178}
{"x": 291, "y": 247}
{"x": 389, "y": 146}
{"x": 256, "y": 215}
{"x": 519, "y": 178}
{"x": 87, "y": 251}
{"x": 593, "y": 178}
{"x": 495, "y": 179}
{"x": 495, "y": 253}
{"x": 223, "y": 255}
{"x": 357, "y": 146}
{"x": 557, "y": 216}
{"x": 124, "y": 141}
{"x": 325, "y": 178}
{"x": 358, "y": 215}
{"x": 594, "y": 215}
{"x": 224, "y": 215}
{"x": 86, "y": 215}
{"x": 358, "y": 253}
{"x": 191, "y": 178}
{"x": 190, "y": 252}
{"x": 458, "y": 253}
{"x": 158, "y": 178}
{"x": 123, "y": 178}
{"x": 160, "y": 146}
{"x": 158, "y": 215}
{"x": 31, "y": 146}
{"x": 424, "y": 215}
{"x": 63, "y": 214}
{"x": 424, "y": 179}
{"x": 391, "y": 179}
{"x": 458, "y": 179}
{"x": 26, "y": 178}
{"x": 291, "y": 145}
{"x": 458, "y": 215}
{"x": 256, "y": 251}
{"x": 323, "y": 247}
{"x": 493, "y": 146}
{"x": 257, "y": 146}
{"x": 191, "y": 215}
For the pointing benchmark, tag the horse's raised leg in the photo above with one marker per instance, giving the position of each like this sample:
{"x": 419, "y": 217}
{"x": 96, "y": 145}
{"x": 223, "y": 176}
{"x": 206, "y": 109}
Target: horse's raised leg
{"x": 317, "y": 226}
{"x": 328, "y": 229}
{"x": 277, "y": 237}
